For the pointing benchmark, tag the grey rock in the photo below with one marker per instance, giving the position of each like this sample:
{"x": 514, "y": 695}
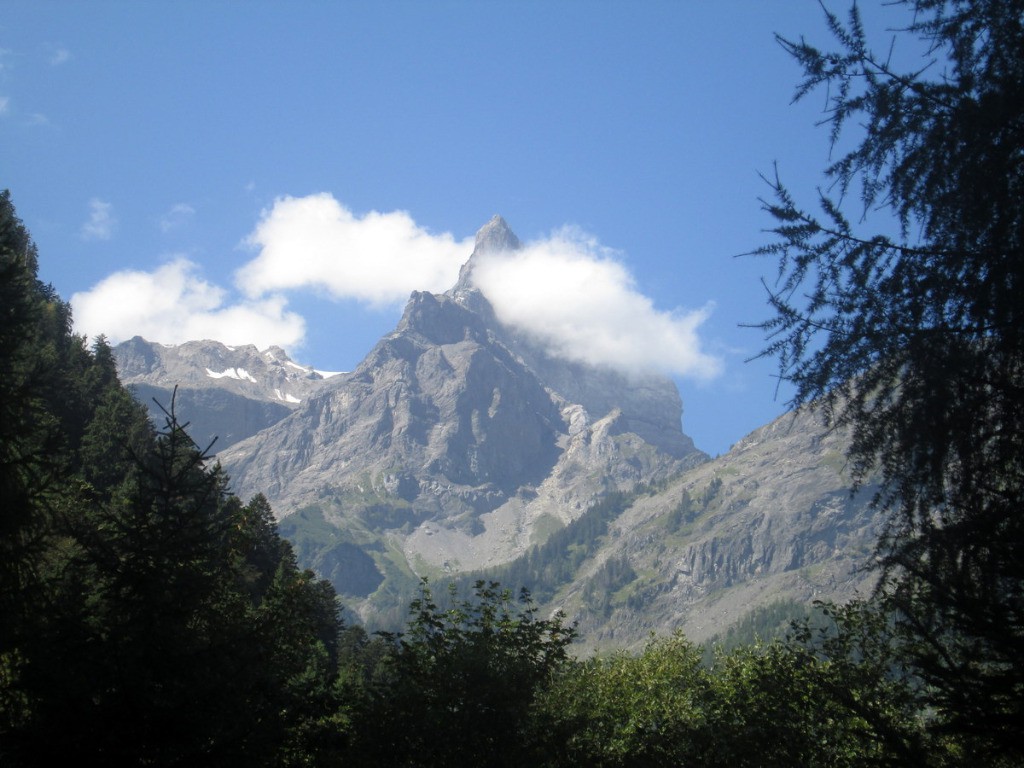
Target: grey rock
{"x": 458, "y": 441}
{"x": 773, "y": 519}
{"x": 227, "y": 393}
{"x": 460, "y": 444}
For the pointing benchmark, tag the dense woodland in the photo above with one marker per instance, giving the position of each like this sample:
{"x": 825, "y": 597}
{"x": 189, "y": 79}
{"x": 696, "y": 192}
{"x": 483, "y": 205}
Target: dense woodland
{"x": 150, "y": 617}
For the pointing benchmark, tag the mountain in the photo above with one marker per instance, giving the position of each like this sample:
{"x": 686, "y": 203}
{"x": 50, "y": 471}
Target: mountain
{"x": 771, "y": 521}
{"x": 455, "y": 444}
{"x": 460, "y": 448}
{"x": 228, "y": 393}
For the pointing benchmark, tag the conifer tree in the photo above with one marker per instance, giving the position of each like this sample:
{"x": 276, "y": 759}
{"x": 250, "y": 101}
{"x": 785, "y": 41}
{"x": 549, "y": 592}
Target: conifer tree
{"x": 911, "y": 333}
{"x": 147, "y": 617}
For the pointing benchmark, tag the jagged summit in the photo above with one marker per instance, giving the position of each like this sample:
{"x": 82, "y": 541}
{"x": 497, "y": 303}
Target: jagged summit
{"x": 493, "y": 237}
{"x": 461, "y": 442}
{"x": 227, "y": 392}
{"x": 462, "y": 438}
{"x": 496, "y": 235}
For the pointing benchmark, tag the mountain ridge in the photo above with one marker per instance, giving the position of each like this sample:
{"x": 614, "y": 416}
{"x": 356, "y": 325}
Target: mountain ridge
{"x": 461, "y": 445}
{"x": 458, "y": 442}
{"x": 226, "y": 393}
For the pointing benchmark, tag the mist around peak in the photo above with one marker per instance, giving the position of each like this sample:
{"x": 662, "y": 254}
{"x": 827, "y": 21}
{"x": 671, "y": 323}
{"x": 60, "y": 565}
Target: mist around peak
{"x": 566, "y": 290}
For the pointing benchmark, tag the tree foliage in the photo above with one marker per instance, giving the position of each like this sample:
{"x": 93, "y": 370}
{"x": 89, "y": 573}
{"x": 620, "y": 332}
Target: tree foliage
{"x": 828, "y": 696}
{"x": 458, "y": 687}
{"x": 146, "y": 615}
{"x": 914, "y": 340}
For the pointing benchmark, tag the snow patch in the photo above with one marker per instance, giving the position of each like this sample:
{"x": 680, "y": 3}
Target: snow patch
{"x": 328, "y": 374}
{"x": 287, "y": 397}
{"x": 239, "y": 374}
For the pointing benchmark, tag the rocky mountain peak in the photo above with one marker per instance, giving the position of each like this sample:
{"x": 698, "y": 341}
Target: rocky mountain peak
{"x": 227, "y": 392}
{"x": 650, "y": 404}
{"x": 496, "y": 235}
{"x": 263, "y": 375}
{"x": 493, "y": 237}
{"x": 461, "y": 442}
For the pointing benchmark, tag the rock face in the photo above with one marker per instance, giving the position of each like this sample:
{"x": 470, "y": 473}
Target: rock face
{"x": 649, "y": 405}
{"x": 771, "y": 520}
{"x": 446, "y": 420}
{"x": 459, "y": 444}
{"x": 228, "y": 393}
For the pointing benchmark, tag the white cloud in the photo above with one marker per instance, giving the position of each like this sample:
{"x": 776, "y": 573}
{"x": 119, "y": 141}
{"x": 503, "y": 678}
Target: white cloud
{"x": 582, "y": 304}
{"x": 178, "y": 214}
{"x": 174, "y": 304}
{"x": 4, "y": 104}
{"x": 101, "y": 223}
{"x": 379, "y": 258}
{"x": 568, "y": 292}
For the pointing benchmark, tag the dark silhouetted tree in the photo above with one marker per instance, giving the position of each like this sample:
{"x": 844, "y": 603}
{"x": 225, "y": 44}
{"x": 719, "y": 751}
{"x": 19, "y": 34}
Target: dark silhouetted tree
{"x": 910, "y": 332}
{"x": 147, "y": 617}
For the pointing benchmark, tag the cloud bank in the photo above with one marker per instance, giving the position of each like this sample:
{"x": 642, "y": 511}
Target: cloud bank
{"x": 567, "y": 291}
{"x": 380, "y": 258}
{"x": 572, "y": 296}
{"x": 173, "y": 304}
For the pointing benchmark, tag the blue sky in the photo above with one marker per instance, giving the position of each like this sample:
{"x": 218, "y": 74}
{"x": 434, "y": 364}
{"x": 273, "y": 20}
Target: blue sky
{"x": 288, "y": 172}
